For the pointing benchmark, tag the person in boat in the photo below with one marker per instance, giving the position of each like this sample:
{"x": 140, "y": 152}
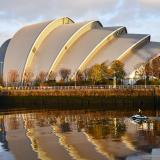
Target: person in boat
{"x": 140, "y": 112}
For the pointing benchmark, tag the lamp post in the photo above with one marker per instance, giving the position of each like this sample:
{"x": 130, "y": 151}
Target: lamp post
{"x": 21, "y": 79}
{"x": 114, "y": 81}
{"x": 6, "y": 80}
{"x": 75, "y": 81}
{"x": 145, "y": 82}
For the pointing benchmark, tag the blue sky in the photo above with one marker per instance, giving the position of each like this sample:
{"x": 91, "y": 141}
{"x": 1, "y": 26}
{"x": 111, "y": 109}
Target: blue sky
{"x": 139, "y": 16}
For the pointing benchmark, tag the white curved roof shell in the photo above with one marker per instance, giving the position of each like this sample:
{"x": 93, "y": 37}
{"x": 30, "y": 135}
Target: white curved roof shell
{"x": 61, "y": 43}
{"x": 79, "y": 51}
{"x": 51, "y": 47}
{"x": 115, "y": 48}
{"x": 140, "y": 56}
{"x": 19, "y": 48}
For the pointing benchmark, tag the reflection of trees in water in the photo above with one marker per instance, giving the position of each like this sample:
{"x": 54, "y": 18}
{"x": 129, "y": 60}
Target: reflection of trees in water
{"x": 42, "y": 123}
{"x": 148, "y": 136}
{"x": 65, "y": 127}
{"x": 157, "y": 128}
{"x": 118, "y": 128}
{"x": 98, "y": 128}
{"x": 102, "y": 128}
{"x": 99, "y": 125}
{"x": 80, "y": 125}
{"x": 13, "y": 122}
{"x": 3, "y": 139}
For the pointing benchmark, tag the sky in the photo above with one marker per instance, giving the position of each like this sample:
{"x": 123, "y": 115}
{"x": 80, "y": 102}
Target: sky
{"x": 139, "y": 16}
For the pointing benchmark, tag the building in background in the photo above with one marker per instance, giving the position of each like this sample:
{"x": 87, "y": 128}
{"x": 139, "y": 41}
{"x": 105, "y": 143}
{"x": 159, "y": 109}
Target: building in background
{"x": 62, "y": 43}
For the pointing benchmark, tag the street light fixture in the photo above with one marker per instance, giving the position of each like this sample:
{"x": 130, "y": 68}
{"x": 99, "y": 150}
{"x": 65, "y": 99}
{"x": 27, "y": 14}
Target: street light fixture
{"x": 75, "y": 81}
{"x": 114, "y": 80}
{"x": 145, "y": 81}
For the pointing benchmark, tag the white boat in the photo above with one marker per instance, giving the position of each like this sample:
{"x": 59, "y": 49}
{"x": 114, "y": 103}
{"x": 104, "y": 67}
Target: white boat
{"x": 139, "y": 117}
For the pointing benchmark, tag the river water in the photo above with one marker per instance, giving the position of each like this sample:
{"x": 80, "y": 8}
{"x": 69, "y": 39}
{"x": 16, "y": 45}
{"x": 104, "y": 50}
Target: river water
{"x": 78, "y": 134}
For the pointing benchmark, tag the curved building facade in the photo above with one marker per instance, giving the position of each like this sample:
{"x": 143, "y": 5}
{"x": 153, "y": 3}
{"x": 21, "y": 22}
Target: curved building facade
{"x": 3, "y": 49}
{"x": 62, "y": 43}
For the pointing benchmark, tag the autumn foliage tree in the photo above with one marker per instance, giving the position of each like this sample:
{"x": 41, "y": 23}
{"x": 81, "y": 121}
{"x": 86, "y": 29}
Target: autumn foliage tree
{"x": 95, "y": 73}
{"x": 106, "y": 71}
{"x": 100, "y": 73}
{"x": 149, "y": 69}
{"x": 118, "y": 69}
{"x": 140, "y": 71}
{"x": 155, "y": 65}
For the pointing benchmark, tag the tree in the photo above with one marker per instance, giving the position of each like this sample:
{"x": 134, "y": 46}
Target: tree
{"x": 13, "y": 76}
{"x": 42, "y": 77}
{"x": 118, "y": 69}
{"x": 105, "y": 71}
{"x": 95, "y": 73}
{"x": 156, "y": 67}
{"x": 28, "y": 77}
{"x": 98, "y": 73}
{"x": 148, "y": 70}
{"x": 64, "y": 74}
{"x": 79, "y": 76}
{"x": 86, "y": 73}
{"x": 140, "y": 71}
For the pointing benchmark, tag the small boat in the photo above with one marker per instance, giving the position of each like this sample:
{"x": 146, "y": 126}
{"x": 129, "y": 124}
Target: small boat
{"x": 140, "y": 117}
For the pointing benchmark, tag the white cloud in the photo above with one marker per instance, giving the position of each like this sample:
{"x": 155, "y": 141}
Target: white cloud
{"x": 4, "y": 37}
{"x": 150, "y": 3}
{"x": 139, "y": 16}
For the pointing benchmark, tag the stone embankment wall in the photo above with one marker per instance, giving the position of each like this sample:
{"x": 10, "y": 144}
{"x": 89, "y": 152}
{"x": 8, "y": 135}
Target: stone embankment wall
{"x": 114, "y": 99}
{"x": 82, "y": 92}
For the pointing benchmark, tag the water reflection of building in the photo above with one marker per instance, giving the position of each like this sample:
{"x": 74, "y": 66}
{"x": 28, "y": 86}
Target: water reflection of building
{"x": 99, "y": 131}
{"x": 102, "y": 129}
{"x": 105, "y": 135}
{"x": 75, "y": 142}
{"x": 59, "y": 134}
{"x": 144, "y": 135}
{"x": 43, "y": 141}
{"x": 18, "y": 143}
{"x": 3, "y": 140}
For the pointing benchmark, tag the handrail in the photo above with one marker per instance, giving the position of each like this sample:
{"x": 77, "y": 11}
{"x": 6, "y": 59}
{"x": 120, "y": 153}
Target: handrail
{"x": 80, "y": 87}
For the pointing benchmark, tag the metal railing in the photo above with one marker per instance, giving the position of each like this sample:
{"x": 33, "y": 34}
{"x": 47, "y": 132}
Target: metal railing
{"x": 81, "y": 87}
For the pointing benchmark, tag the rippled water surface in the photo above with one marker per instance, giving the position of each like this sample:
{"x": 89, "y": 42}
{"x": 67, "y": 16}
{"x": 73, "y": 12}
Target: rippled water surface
{"x": 79, "y": 134}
